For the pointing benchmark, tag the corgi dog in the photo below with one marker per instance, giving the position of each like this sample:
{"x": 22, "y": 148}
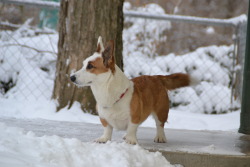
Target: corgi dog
{"x": 124, "y": 104}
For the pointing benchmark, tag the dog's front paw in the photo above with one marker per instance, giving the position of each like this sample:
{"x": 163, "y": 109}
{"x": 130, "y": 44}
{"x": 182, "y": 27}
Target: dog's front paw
{"x": 160, "y": 139}
{"x": 130, "y": 140}
{"x": 102, "y": 140}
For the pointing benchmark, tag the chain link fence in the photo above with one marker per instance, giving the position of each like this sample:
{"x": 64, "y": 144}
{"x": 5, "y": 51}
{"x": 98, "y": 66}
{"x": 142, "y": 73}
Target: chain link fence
{"x": 28, "y": 50}
{"x": 154, "y": 44}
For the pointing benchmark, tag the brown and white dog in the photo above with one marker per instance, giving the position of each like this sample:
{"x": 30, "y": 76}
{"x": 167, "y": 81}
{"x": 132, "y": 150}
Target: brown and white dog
{"x": 124, "y": 104}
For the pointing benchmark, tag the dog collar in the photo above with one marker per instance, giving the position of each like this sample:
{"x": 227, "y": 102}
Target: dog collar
{"x": 122, "y": 95}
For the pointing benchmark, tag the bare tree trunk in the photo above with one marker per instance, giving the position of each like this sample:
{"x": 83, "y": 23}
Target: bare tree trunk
{"x": 80, "y": 24}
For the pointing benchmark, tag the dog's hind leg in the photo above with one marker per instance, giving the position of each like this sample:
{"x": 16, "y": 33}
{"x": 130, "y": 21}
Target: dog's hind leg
{"x": 160, "y": 134}
{"x": 130, "y": 137}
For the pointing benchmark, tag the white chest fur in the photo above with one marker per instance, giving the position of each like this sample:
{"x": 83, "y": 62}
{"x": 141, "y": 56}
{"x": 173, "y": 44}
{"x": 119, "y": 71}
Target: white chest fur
{"x": 118, "y": 116}
{"x": 107, "y": 89}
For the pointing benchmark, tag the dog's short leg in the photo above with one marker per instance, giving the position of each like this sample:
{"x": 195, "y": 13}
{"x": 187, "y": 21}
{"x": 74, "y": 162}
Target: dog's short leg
{"x": 107, "y": 134}
{"x": 160, "y": 134}
{"x": 130, "y": 137}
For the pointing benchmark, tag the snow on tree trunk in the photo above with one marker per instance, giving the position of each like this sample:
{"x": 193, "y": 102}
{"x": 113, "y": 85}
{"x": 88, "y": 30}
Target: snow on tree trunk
{"x": 80, "y": 24}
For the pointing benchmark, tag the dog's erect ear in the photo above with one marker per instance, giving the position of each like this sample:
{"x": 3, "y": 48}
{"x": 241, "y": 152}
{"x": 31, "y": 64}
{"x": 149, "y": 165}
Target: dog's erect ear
{"x": 100, "y": 47}
{"x": 108, "y": 56}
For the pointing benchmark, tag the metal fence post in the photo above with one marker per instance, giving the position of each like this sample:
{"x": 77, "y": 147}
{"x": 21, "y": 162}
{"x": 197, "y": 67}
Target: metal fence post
{"x": 241, "y": 32}
{"x": 245, "y": 107}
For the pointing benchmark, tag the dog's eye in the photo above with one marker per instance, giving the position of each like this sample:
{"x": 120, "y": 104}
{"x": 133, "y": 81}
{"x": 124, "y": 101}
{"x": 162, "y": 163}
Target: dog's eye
{"x": 89, "y": 66}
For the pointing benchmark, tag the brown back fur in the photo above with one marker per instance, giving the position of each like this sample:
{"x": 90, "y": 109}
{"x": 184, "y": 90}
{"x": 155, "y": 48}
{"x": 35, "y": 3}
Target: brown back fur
{"x": 150, "y": 95}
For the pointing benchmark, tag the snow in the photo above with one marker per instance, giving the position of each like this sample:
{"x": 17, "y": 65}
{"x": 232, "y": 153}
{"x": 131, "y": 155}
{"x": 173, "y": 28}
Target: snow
{"x": 28, "y": 61}
{"x": 176, "y": 9}
{"x": 178, "y": 119}
{"x": 240, "y": 19}
{"x": 211, "y": 65}
{"x": 40, "y": 3}
{"x": 194, "y": 121}
{"x": 19, "y": 148}
{"x": 210, "y": 30}
{"x": 24, "y": 56}
{"x": 22, "y": 63}
{"x": 142, "y": 35}
{"x": 225, "y": 143}
{"x": 189, "y": 19}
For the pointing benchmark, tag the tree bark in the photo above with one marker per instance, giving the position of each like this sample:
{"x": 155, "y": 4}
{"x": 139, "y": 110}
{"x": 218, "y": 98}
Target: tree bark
{"x": 80, "y": 24}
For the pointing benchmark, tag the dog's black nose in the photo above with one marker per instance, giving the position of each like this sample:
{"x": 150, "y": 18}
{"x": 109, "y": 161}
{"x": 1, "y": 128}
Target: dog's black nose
{"x": 73, "y": 78}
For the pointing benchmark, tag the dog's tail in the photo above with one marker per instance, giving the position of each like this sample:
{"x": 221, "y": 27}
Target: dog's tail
{"x": 177, "y": 80}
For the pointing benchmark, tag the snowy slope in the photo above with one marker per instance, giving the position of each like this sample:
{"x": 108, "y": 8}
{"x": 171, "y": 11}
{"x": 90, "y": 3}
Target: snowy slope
{"x": 227, "y": 143}
{"x": 18, "y": 148}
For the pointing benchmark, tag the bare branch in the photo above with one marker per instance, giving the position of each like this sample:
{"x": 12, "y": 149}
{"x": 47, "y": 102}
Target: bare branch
{"x": 26, "y": 46}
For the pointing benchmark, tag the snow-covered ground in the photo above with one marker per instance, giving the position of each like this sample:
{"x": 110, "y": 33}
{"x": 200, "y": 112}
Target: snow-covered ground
{"x": 18, "y": 148}
{"x": 46, "y": 109}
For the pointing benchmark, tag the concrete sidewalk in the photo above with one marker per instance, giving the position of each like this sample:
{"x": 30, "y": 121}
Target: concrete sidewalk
{"x": 189, "y": 148}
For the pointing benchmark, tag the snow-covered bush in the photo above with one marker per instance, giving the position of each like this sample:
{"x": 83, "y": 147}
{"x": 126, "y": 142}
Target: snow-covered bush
{"x": 27, "y": 64}
{"x": 142, "y": 36}
{"x": 211, "y": 65}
